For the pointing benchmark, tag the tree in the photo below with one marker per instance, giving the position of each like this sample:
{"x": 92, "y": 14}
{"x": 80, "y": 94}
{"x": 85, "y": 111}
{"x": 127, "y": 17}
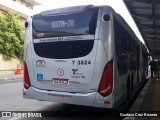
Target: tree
{"x": 11, "y": 36}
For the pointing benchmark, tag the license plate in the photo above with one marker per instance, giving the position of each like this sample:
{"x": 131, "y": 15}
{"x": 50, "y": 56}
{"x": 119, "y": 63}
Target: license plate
{"x": 60, "y": 81}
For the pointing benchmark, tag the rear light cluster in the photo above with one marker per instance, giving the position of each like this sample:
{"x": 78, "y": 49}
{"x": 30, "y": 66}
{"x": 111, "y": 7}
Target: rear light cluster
{"x": 26, "y": 81}
{"x": 106, "y": 85}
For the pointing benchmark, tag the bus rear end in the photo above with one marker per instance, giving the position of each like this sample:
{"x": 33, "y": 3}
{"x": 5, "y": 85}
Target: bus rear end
{"x": 60, "y": 57}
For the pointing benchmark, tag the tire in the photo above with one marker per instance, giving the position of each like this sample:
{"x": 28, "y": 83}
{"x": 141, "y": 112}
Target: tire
{"x": 128, "y": 89}
{"x": 132, "y": 83}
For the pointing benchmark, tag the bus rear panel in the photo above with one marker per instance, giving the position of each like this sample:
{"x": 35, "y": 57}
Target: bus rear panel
{"x": 70, "y": 57}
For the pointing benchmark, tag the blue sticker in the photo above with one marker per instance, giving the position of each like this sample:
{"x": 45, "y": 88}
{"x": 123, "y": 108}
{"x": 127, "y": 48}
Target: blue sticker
{"x": 40, "y": 77}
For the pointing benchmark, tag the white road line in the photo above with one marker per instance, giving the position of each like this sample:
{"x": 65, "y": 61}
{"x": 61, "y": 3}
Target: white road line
{"x": 129, "y": 118}
{"x": 15, "y": 118}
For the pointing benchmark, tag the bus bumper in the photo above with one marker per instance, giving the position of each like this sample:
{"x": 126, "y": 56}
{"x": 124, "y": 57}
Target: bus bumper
{"x": 93, "y": 99}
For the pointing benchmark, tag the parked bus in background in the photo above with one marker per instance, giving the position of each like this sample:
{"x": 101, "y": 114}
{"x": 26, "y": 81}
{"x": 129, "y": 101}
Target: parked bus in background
{"x": 83, "y": 55}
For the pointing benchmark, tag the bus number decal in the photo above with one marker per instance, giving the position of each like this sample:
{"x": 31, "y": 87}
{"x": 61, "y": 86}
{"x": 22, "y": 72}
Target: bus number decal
{"x": 63, "y": 23}
{"x": 81, "y": 62}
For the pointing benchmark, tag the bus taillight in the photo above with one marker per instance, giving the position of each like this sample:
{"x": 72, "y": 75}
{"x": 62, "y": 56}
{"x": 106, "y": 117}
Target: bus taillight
{"x": 106, "y": 84}
{"x": 26, "y": 81}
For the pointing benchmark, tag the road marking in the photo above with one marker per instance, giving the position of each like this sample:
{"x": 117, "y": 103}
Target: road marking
{"x": 10, "y": 81}
{"x": 15, "y": 118}
{"x": 129, "y": 118}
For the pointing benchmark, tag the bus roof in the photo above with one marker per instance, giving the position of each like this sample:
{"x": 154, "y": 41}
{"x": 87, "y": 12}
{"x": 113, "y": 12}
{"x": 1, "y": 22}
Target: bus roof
{"x": 66, "y": 10}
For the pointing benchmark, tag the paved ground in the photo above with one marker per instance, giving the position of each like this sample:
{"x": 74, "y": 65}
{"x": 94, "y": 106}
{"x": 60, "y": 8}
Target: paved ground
{"x": 147, "y": 102}
{"x": 11, "y": 99}
{"x": 11, "y": 79}
{"x": 151, "y": 101}
{"x": 4, "y": 76}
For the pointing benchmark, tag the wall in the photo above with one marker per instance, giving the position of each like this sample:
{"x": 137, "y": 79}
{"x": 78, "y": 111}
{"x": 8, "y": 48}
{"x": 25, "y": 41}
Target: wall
{"x": 8, "y": 67}
{"x": 24, "y": 4}
{"x": 18, "y": 1}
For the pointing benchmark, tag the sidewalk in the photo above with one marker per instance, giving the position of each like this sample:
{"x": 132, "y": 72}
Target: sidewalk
{"x": 151, "y": 100}
{"x": 9, "y": 76}
{"x": 148, "y": 101}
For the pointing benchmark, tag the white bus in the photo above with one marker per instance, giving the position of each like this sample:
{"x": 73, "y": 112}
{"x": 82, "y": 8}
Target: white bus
{"x": 83, "y": 55}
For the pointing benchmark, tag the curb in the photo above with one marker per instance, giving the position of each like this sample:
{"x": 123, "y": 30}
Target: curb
{"x": 11, "y": 78}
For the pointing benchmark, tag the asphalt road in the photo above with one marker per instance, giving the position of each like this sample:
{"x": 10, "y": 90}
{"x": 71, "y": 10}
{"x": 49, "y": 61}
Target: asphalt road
{"x": 11, "y": 99}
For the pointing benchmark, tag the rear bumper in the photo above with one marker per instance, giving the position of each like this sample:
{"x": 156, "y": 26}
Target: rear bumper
{"x": 93, "y": 99}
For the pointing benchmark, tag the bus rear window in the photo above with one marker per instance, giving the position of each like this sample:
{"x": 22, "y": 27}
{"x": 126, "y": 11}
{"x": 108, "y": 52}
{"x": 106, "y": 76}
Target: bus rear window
{"x": 80, "y": 23}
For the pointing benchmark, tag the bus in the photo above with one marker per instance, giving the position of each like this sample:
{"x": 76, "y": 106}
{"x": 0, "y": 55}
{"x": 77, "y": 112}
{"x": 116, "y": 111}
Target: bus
{"x": 82, "y": 55}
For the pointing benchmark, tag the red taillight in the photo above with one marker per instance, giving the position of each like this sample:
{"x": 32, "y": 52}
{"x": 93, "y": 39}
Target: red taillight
{"x": 26, "y": 81}
{"x": 106, "y": 84}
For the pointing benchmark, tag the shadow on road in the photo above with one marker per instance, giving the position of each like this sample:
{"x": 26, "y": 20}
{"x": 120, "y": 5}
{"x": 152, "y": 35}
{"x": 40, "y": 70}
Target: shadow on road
{"x": 75, "y": 112}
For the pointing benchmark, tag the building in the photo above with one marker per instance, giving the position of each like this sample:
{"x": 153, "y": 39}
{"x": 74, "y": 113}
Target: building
{"x": 24, "y": 8}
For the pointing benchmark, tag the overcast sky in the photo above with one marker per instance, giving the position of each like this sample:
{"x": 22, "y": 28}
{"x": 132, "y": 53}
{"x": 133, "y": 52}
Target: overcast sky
{"x": 118, "y": 6}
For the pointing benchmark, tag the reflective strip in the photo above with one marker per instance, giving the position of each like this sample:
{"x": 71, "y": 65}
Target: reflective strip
{"x": 66, "y": 38}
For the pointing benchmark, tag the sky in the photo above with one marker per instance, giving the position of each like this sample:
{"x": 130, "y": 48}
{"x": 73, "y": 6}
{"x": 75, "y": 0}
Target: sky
{"x": 117, "y": 5}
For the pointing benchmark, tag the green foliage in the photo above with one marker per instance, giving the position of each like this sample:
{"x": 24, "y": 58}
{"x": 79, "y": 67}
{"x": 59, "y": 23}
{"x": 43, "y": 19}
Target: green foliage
{"x": 11, "y": 36}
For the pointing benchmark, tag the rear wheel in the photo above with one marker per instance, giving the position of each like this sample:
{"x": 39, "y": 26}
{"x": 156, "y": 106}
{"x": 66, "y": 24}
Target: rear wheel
{"x": 128, "y": 89}
{"x": 132, "y": 83}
